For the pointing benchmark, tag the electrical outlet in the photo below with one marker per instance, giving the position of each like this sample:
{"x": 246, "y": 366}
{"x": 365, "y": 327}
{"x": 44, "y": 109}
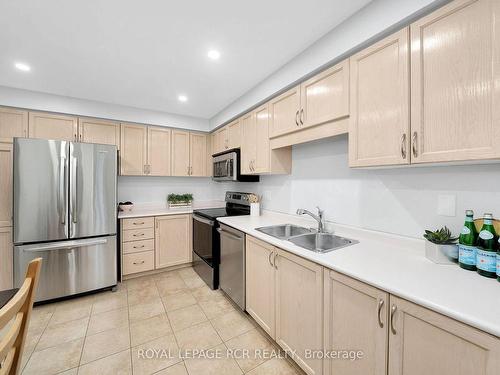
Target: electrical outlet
{"x": 447, "y": 205}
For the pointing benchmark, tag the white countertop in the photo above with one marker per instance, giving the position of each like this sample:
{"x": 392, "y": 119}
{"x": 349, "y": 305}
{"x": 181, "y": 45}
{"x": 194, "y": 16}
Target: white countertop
{"x": 161, "y": 209}
{"x": 397, "y": 265}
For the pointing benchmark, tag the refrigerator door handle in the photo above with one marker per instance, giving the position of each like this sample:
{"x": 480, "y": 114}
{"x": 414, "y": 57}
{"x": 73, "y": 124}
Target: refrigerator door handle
{"x": 74, "y": 191}
{"x": 62, "y": 190}
{"x": 63, "y": 245}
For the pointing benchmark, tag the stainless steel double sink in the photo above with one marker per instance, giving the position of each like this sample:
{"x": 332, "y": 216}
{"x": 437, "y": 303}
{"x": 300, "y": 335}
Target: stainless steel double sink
{"x": 307, "y": 238}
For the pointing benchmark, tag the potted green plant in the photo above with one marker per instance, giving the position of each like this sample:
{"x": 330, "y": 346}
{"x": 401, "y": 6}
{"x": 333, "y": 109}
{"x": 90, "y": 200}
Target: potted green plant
{"x": 441, "y": 246}
{"x": 179, "y": 200}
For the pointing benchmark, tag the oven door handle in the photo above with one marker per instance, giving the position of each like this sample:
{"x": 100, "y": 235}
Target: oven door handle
{"x": 230, "y": 235}
{"x": 204, "y": 221}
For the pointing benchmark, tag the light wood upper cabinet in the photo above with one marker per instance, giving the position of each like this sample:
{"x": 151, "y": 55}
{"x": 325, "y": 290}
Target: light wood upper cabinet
{"x": 234, "y": 134}
{"x": 284, "y": 112}
{"x": 379, "y": 127}
{"x": 13, "y": 123}
{"x": 260, "y": 298}
{"x": 99, "y": 131}
{"x": 222, "y": 139}
{"x": 6, "y": 255}
{"x": 355, "y": 316}
{"x": 172, "y": 240}
{"x": 51, "y": 126}
{"x": 248, "y": 143}
{"x": 198, "y": 154}
{"x": 299, "y": 308}
{"x": 424, "y": 342}
{"x": 325, "y": 97}
{"x": 180, "y": 153}
{"x": 6, "y": 159}
{"x": 159, "y": 156}
{"x": 262, "y": 151}
{"x": 133, "y": 149}
{"x": 455, "y": 70}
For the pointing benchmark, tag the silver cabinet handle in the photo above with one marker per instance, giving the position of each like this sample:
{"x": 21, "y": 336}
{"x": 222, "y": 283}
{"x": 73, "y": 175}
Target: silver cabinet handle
{"x": 380, "y": 305}
{"x": 403, "y": 146}
{"x": 414, "y": 147}
{"x": 191, "y": 170}
{"x": 302, "y": 116}
{"x": 136, "y": 223}
{"x": 137, "y": 263}
{"x": 138, "y": 247}
{"x": 269, "y": 258}
{"x": 297, "y": 118}
{"x": 393, "y": 311}
{"x": 138, "y": 235}
{"x": 276, "y": 255}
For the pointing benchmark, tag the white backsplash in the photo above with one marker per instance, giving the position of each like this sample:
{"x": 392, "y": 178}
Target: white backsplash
{"x": 395, "y": 200}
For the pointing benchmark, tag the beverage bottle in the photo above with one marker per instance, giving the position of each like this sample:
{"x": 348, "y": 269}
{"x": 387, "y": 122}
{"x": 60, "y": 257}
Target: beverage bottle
{"x": 487, "y": 244}
{"x": 498, "y": 261}
{"x": 467, "y": 243}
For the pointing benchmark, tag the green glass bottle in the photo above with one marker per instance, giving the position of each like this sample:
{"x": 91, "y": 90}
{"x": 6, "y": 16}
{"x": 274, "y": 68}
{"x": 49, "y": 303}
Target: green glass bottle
{"x": 487, "y": 245}
{"x": 467, "y": 243}
{"x": 498, "y": 261}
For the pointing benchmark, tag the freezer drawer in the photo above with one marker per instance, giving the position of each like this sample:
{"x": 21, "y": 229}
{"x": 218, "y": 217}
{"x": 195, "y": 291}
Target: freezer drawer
{"x": 69, "y": 267}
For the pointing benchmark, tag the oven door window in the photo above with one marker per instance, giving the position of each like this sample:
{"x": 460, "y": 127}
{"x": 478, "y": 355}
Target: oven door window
{"x": 203, "y": 240}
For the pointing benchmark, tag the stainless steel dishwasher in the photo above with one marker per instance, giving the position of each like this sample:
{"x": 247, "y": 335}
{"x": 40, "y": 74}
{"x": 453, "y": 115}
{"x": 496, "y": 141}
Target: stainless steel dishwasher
{"x": 232, "y": 264}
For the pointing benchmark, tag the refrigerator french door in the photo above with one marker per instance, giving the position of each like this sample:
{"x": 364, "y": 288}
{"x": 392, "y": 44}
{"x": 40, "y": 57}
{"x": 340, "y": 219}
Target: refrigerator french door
{"x": 65, "y": 212}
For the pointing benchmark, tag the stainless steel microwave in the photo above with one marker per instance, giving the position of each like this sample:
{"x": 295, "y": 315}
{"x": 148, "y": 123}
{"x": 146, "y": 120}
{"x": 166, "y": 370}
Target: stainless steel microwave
{"x": 226, "y": 167}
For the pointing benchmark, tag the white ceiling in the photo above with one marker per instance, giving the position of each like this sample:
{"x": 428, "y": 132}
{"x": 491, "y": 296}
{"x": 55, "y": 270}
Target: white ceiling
{"x": 146, "y": 53}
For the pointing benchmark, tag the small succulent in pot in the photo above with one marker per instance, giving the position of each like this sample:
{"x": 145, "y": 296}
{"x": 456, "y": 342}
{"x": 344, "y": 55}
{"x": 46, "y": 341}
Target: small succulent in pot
{"x": 441, "y": 236}
{"x": 441, "y": 246}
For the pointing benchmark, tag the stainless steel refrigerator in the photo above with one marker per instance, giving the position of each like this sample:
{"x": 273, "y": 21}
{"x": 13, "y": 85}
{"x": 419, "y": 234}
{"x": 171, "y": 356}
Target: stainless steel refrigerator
{"x": 65, "y": 213}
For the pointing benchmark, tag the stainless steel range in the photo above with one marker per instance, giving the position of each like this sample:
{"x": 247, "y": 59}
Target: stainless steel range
{"x": 207, "y": 236}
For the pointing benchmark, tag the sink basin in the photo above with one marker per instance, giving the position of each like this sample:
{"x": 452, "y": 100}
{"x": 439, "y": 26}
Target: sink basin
{"x": 321, "y": 242}
{"x": 284, "y": 231}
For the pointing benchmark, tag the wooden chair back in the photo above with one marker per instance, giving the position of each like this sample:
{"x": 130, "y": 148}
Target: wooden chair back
{"x": 18, "y": 311}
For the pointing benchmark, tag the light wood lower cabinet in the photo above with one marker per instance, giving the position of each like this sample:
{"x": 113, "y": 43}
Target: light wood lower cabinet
{"x": 424, "y": 342}
{"x": 379, "y": 125}
{"x": 52, "y": 126}
{"x": 299, "y": 309}
{"x": 355, "y": 318}
{"x": 98, "y": 131}
{"x": 260, "y": 283}
{"x": 172, "y": 240}
{"x": 6, "y": 257}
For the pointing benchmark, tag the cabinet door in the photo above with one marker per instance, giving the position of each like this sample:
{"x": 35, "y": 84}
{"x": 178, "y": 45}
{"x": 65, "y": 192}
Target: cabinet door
{"x": 158, "y": 151}
{"x": 234, "y": 134}
{"x": 262, "y": 148}
{"x": 6, "y": 255}
{"x": 52, "y": 126}
{"x": 260, "y": 303}
{"x": 299, "y": 308}
{"x": 133, "y": 150}
{"x": 198, "y": 154}
{"x": 180, "y": 153}
{"x": 455, "y": 69}
{"x": 6, "y": 184}
{"x": 172, "y": 240}
{"x": 379, "y": 119}
{"x": 424, "y": 342}
{"x": 325, "y": 97}
{"x": 13, "y": 123}
{"x": 248, "y": 143}
{"x": 284, "y": 112}
{"x": 222, "y": 139}
{"x": 99, "y": 131}
{"x": 210, "y": 138}
{"x": 356, "y": 318}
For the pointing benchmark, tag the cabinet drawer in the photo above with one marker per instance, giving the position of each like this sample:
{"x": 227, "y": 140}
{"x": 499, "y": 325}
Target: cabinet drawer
{"x": 138, "y": 234}
{"x": 138, "y": 223}
{"x": 138, "y": 246}
{"x": 138, "y": 262}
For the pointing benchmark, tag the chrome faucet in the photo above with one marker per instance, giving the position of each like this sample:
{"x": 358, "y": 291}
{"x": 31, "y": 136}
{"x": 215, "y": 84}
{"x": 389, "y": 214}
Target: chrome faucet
{"x": 318, "y": 217}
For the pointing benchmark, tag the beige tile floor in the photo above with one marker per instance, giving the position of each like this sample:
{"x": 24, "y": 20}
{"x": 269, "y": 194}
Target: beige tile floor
{"x": 104, "y": 333}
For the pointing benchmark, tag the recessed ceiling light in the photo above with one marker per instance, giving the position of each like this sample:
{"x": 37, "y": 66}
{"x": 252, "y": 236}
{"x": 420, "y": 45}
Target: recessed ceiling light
{"x": 182, "y": 98}
{"x": 22, "y": 66}
{"x": 213, "y": 54}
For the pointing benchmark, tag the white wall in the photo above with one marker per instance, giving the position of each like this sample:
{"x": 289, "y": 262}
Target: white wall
{"x": 156, "y": 189}
{"x": 13, "y": 97}
{"x": 401, "y": 200}
{"x": 377, "y": 18}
